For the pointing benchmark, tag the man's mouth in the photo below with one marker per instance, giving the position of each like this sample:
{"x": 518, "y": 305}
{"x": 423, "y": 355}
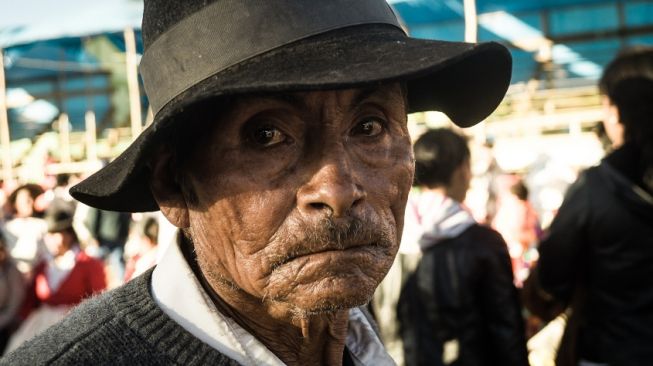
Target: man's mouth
{"x": 313, "y": 250}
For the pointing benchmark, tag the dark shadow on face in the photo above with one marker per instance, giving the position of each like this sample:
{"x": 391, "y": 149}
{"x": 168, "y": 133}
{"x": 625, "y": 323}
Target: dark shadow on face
{"x": 300, "y": 197}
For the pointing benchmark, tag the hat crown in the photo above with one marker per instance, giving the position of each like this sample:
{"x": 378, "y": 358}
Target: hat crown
{"x": 225, "y": 33}
{"x": 161, "y": 15}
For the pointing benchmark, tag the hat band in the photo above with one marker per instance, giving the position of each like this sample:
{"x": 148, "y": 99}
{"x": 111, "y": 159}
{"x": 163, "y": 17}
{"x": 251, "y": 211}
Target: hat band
{"x": 228, "y": 32}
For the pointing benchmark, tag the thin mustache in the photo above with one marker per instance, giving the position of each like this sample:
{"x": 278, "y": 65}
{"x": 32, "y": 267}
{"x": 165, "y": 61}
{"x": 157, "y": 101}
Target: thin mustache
{"x": 330, "y": 234}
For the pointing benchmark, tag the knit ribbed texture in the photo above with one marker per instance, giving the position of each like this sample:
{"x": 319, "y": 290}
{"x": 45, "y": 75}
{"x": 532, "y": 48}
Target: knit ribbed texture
{"x": 120, "y": 327}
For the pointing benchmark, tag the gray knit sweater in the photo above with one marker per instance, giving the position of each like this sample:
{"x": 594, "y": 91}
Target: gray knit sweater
{"x": 120, "y": 327}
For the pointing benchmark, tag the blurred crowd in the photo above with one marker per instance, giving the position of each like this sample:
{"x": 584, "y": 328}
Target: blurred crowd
{"x": 501, "y": 288}
{"x": 55, "y": 252}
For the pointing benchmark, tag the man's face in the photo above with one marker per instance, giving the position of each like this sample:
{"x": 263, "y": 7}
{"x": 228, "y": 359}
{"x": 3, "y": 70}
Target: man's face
{"x": 300, "y": 198}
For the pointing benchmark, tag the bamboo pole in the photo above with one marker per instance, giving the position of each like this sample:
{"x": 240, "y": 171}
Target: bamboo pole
{"x": 5, "y": 139}
{"x": 91, "y": 137}
{"x": 64, "y": 138}
{"x": 471, "y": 21}
{"x": 132, "y": 83}
{"x": 471, "y": 35}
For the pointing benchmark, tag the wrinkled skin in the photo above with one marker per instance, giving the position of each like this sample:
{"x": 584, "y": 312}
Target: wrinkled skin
{"x": 295, "y": 206}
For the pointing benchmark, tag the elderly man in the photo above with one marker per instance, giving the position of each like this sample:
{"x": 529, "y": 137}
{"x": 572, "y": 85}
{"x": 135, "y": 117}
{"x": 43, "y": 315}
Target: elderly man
{"x": 280, "y": 149}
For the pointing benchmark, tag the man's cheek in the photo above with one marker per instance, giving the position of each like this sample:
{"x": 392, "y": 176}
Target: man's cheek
{"x": 398, "y": 186}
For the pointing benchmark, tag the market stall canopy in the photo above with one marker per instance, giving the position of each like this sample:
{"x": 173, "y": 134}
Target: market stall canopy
{"x": 550, "y": 39}
{"x": 66, "y": 57}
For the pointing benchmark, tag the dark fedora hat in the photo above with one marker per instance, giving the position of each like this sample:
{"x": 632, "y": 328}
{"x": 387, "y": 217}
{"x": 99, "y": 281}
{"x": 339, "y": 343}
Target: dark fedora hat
{"x": 197, "y": 50}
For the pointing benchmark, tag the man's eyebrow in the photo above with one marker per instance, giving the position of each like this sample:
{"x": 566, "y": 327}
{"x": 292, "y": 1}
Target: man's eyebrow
{"x": 366, "y": 93}
{"x": 287, "y": 98}
{"x": 296, "y": 100}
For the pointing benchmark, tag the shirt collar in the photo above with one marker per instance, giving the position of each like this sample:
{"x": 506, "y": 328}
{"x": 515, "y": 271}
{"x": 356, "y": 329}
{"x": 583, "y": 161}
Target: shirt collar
{"x": 179, "y": 294}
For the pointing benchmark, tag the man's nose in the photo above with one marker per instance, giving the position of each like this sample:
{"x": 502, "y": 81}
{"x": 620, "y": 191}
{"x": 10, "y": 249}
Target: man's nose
{"x": 331, "y": 189}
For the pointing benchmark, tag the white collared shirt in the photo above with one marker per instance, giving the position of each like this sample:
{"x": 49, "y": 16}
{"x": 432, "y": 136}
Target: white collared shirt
{"x": 179, "y": 294}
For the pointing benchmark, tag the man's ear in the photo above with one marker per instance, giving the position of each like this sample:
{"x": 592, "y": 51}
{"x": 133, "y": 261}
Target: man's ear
{"x": 166, "y": 190}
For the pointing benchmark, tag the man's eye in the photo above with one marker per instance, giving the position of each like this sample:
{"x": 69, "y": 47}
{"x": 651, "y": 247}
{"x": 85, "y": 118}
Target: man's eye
{"x": 369, "y": 127}
{"x": 266, "y": 136}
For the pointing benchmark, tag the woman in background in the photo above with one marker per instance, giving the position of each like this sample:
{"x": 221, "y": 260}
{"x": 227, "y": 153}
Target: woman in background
{"x": 66, "y": 278}
{"x": 518, "y": 223}
{"x": 24, "y": 231}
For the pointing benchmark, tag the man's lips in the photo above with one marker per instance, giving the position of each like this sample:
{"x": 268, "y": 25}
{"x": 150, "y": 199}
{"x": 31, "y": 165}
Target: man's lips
{"x": 325, "y": 249}
{"x": 336, "y": 249}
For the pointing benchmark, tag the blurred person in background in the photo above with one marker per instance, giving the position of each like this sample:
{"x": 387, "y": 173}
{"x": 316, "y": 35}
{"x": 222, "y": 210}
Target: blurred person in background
{"x": 67, "y": 277}
{"x": 146, "y": 248}
{"x": 488, "y": 179}
{"x": 24, "y": 230}
{"x": 596, "y": 258}
{"x": 518, "y": 223}
{"x": 12, "y": 292}
{"x": 109, "y": 231}
{"x": 4, "y": 210}
{"x": 459, "y": 307}
{"x": 58, "y": 196}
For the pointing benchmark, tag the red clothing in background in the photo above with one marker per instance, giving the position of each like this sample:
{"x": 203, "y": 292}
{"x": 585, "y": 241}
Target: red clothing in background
{"x": 45, "y": 306}
{"x": 85, "y": 279}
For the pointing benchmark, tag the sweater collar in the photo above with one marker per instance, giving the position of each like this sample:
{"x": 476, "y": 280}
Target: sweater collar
{"x": 179, "y": 294}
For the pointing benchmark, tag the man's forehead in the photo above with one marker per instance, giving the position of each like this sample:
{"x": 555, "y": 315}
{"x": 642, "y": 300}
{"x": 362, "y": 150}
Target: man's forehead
{"x": 352, "y": 97}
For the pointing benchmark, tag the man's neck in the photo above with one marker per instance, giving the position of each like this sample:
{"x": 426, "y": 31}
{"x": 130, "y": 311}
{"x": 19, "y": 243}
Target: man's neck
{"x": 294, "y": 337}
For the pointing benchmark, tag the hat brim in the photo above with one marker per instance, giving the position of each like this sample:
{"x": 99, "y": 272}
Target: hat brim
{"x": 465, "y": 81}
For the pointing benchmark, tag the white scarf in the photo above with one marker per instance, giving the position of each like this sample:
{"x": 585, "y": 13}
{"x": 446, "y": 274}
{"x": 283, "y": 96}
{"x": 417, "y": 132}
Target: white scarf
{"x": 431, "y": 218}
{"x": 58, "y": 268}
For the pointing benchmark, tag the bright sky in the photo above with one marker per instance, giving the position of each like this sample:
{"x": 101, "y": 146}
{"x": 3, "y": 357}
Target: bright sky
{"x": 42, "y": 19}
